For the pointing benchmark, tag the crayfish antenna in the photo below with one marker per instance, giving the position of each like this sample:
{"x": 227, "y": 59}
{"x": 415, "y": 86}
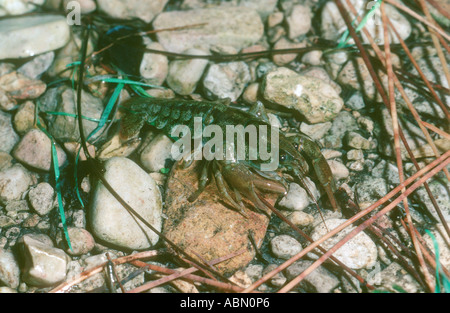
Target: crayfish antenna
{"x": 308, "y": 191}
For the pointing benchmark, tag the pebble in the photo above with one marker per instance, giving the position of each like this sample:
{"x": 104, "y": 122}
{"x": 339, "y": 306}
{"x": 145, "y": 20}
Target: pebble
{"x": 284, "y": 43}
{"x": 299, "y": 21}
{"x": 296, "y": 199}
{"x": 355, "y": 154}
{"x": 371, "y": 189}
{"x": 315, "y": 131}
{"x": 146, "y": 10}
{"x": 433, "y": 70}
{"x": 27, "y": 35}
{"x": 19, "y": 7}
{"x": 342, "y": 123}
{"x": 9, "y": 269}
{"x": 440, "y": 190}
{"x": 7, "y": 133}
{"x": 37, "y": 66}
{"x": 154, "y": 67}
{"x": 86, "y": 6}
{"x": 14, "y": 182}
{"x": 230, "y": 26}
{"x": 316, "y": 100}
{"x": 356, "y": 101}
{"x": 250, "y": 94}
{"x": 339, "y": 170}
{"x": 275, "y": 19}
{"x": 254, "y": 271}
{"x": 263, "y": 7}
{"x": 184, "y": 75}
{"x": 333, "y": 25}
{"x": 42, "y": 198}
{"x": 355, "y": 140}
{"x": 65, "y": 127}
{"x": 313, "y": 58}
{"x": 17, "y": 206}
{"x": 24, "y": 118}
{"x": 34, "y": 149}
{"x": 226, "y": 80}
{"x": 44, "y": 265}
{"x": 299, "y": 219}
{"x": 357, "y": 253}
{"x": 111, "y": 222}
{"x": 278, "y": 279}
{"x": 155, "y": 155}
{"x": 442, "y": 240}
{"x": 206, "y": 225}
{"x": 81, "y": 240}
{"x": 395, "y": 275}
{"x": 285, "y": 246}
{"x": 321, "y": 73}
{"x": 320, "y": 280}
{"x": 20, "y": 87}
{"x": 7, "y": 290}
{"x": 387, "y": 170}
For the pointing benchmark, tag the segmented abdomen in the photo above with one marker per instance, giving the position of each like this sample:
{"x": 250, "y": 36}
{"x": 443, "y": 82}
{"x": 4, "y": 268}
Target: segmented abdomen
{"x": 165, "y": 114}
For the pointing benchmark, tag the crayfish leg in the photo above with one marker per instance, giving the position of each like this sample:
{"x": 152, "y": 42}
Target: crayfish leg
{"x": 320, "y": 166}
{"x": 221, "y": 186}
{"x": 203, "y": 182}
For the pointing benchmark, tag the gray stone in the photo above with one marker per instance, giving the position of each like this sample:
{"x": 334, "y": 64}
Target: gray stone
{"x": 184, "y": 75}
{"x": 65, "y": 127}
{"x": 371, "y": 189}
{"x": 37, "y": 66}
{"x": 9, "y": 269}
{"x": 299, "y": 21}
{"x": 316, "y": 100}
{"x": 42, "y": 198}
{"x": 320, "y": 280}
{"x": 333, "y": 25}
{"x": 24, "y": 117}
{"x": 30, "y": 35}
{"x": 111, "y": 222}
{"x": 146, "y": 10}
{"x": 35, "y": 150}
{"x": 14, "y": 182}
{"x": 81, "y": 241}
{"x": 18, "y": 7}
{"x": 155, "y": 155}
{"x": 154, "y": 67}
{"x": 357, "y": 253}
{"x": 296, "y": 199}
{"x": 278, "y": 279}
{"x": 44, "y": 265}
{"x": 231, "y": 26}
{"x": 226, "y": 80}
{"x": 342, "y": 123}
{"x": 7, "y": 133}
{"x": 355, "y": 140}
{"x": 20, "y": 87}
{"x": 285, "y": 247}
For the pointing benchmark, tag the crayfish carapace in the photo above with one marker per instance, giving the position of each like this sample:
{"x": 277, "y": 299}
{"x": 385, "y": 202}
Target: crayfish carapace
{"x": 238, "y": 180}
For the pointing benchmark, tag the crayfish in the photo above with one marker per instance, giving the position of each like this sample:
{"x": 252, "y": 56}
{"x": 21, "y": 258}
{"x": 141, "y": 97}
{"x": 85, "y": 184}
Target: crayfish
{"x": 237, "y": 179}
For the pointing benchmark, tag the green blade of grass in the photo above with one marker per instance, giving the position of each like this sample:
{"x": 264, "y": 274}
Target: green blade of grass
{"x": 345, "y": 36}
{"x": 57, "y": 182}
{"x": 103, "y": 120}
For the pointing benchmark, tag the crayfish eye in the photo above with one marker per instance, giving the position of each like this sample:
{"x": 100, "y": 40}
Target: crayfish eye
{"x": 283, "y": 157}
{"x": 296, "y": 146}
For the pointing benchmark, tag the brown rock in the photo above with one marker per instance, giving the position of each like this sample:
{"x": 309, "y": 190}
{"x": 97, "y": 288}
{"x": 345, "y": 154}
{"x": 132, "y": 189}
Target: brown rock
{"x": 206, "y": 227}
